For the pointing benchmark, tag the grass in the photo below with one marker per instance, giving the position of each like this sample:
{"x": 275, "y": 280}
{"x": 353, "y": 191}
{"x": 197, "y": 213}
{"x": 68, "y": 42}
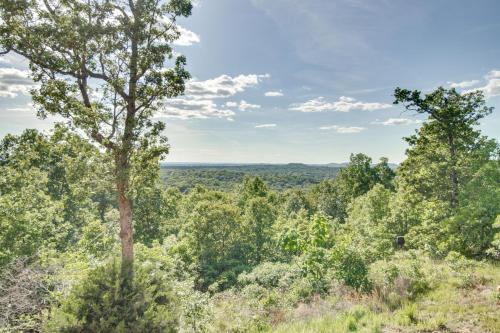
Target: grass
{"x": 451, "y": 306}
{"x": 358, "y": 319}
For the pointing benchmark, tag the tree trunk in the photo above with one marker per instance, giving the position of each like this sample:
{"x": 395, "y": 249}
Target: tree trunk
{"x": 125, "y": 209}
{"x": 126, "y": 232}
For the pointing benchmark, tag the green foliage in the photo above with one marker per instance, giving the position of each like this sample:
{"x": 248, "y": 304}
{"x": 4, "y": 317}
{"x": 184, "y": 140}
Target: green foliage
{"x": 102, "y": 303}
{"x": 295, "y": 202}
{"x": 429, "y": 234}
{"x": 229, "y": 177}
{"x": 370, "y": 225}
{"x": 212, "y": 234}
{"x": 350, "y": 267}
{"x": 403, "y": 277}
{"x": 447, "y": 149}
{"x": 50, "y": 188}
{"x": 328, "y": 199}
{"x": 248, "y": 258}
{"x": 29, "y": 218}
{"x": 358, "y": 177}
{"x": 464, "y": 270}
{"x": 258, "y": 219}
{"x": 271, "y": 275}
{"x": 494, "y": 250}
{"x": 471, "y": 230}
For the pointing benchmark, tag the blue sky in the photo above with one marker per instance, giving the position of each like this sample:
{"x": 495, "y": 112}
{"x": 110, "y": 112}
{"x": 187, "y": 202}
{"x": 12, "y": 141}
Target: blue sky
{"x": 308, "y": 81}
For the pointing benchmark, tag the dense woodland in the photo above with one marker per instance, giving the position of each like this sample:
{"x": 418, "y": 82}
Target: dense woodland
{"x": 229, "y": 177}
{"x": 95, "y": 237}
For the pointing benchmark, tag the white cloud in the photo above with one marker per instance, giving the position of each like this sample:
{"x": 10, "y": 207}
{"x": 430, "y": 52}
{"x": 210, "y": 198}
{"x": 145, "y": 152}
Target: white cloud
{"x": 198, "y": 101}
{"x": 494, "y": 74}
{"x": 231, "y": 104}
{"x": 186, "y": 38}
{"x": 194, "y": 109}
{"x": 265, "y": 126}
{"x": 244, "y": 106}
{"x": 463, "y": 84}
{"x": 273, "y": 94}
{"x": 397, "y": 122}
{"x": 14, "y": 82}
{"x": 343, "y": 130}
{"x": 491, "y": 87}
{"x": 223, "y": 86}
{"x": 344, "y": 104}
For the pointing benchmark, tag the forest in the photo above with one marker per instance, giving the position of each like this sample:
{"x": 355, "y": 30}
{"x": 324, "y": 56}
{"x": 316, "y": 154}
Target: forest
{"x": 228, "y": 177}
{"x": 97, "y": 235}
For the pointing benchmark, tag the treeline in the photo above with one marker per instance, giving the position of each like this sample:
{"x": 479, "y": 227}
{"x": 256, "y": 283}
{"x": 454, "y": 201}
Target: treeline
{"x": 205, "y": 249}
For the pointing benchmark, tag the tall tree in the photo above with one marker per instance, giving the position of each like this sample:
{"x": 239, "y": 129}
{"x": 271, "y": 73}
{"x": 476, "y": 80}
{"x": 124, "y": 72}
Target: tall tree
{"x": 358, "y": 177}
{"x": 105, "y": 66}
{"x": 452, "y": 117}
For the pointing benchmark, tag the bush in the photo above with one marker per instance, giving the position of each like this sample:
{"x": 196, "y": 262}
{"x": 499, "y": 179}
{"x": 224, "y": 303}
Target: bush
{"x": 403, "y": 277}
{"x": 271, "y": 275}
{"x": 102, "y": 303}
{"x": 464, "y": 270}
{"x": 350, "y": 268}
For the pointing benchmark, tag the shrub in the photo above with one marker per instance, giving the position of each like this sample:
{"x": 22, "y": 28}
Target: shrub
{"x": 403, "y": 277}
{"x": 464, "y": 270}
{"x": 350, "y": 268}
{"x": 270, "y": 275}
{"x": 102, "y": 303}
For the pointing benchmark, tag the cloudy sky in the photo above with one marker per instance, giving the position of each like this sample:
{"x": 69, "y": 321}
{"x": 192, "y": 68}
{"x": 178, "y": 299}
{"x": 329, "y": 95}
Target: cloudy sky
{"x": 308, "y": 81}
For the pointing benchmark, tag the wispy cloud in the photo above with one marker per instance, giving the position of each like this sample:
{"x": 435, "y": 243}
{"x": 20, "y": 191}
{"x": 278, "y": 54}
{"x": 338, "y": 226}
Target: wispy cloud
{"x": 244, "y": 106}
{"x": 490, "y": 86}
{"x": 342, "y": 129}
{"x": 463, "y": 84}
{"x": 397, "y": 122}
{"x": 344, "y": 104}
{"x": 14, "y": 82}
{"x": 194, "y": 109}
{"x": 223, "y": 86}
{"x": 187, "y": 37}
{"x": 273, "y": 94}
{"x": 265, "y": 126}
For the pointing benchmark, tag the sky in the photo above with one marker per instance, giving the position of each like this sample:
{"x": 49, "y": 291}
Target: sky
{"x": 280, "y": 81}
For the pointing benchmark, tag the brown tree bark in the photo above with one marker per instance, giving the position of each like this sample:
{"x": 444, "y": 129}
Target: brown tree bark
{"x": 126, "y": 217}
{"x": 126, "y": 229}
